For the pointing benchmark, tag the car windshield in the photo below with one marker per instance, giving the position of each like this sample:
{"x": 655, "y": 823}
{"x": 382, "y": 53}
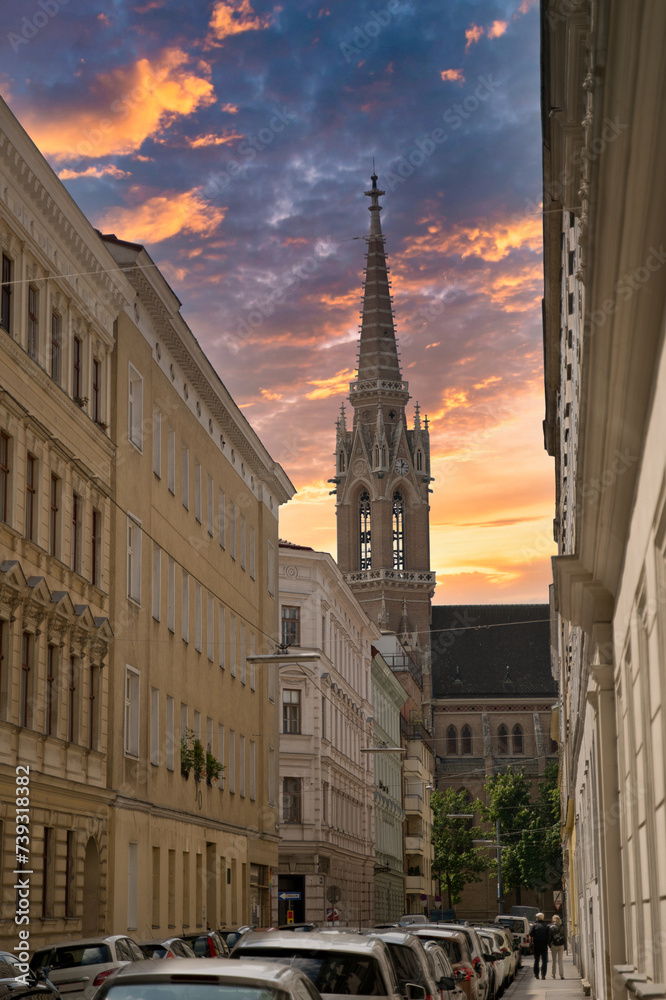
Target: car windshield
{"x": 330, "y": 971}
{"x": 71, "y": 956}
{"x": 192, "y": 988}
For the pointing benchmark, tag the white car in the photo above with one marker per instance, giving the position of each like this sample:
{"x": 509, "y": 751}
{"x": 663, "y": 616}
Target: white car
{"x": 77, "y": 968}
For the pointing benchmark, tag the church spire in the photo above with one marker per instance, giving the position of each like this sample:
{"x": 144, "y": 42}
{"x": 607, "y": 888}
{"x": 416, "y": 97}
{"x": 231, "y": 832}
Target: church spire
{"x": 378, "y": 351}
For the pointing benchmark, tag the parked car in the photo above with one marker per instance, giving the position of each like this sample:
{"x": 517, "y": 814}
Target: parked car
{"x": 79, "y": 967}
{"x": 338, "y": 963}
{"x": 208, "y": 979}
{"x": 455, "y": 946}
{"x": 412, "y": 918}
{"x": 476, "y": 953}
{"x": 207, "y": 944}
{"x": 498, "y": 944}
{"x": 509, "y": 944}
{"x": 34, "y": 985}
{"x": 410, "y": 961}
{"x": 519, "y": 927}
{"x": 230, "y": 935}
{"x": 167, "y": 948}
{"x": 447, "y": 979}
{"x": 495, "y": 965}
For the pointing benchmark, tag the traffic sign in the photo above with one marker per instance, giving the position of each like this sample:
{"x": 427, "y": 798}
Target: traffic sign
{"x": 557, "y": 899}
{"x": 289, "y": 895}
{"x": 290, "y": 916}
{"x": 332, "y": 915}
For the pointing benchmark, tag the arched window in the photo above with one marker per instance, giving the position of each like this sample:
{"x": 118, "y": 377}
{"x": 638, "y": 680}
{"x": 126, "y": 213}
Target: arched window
{"x": 503, "y": 740}
{"x": 452, "y": 740}
{"x": 466, "y": 739}
{"x": 398, "y": 531}
{"x": 342, "y": 465}
{"x": 518, "y": 739}
{"x": 376, "y": 455}
{"x": 419, "y": 461}
{"x": 365, "y": 533}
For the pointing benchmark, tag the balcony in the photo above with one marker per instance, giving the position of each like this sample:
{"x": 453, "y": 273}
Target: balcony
{"x": 416, "y": 883}
{"x": 414, "y": 804}
{"x": 416, "y": 845}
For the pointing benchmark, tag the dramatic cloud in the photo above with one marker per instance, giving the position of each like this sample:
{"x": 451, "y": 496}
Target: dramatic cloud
{"x": 453, "y": 74}
{"x": 337, "y": 385}
{"x": 108, "y": 171}
{"x": 497, "y": 28}
{"x": 214, "y": 140}
{"x": 472, "y": 35}
{"x": 233, "y": 17}
{"x": 160, "y": 217}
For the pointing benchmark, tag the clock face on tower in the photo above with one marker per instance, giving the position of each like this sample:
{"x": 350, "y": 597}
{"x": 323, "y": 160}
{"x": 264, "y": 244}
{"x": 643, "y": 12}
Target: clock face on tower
{"x": 401, "y": 467}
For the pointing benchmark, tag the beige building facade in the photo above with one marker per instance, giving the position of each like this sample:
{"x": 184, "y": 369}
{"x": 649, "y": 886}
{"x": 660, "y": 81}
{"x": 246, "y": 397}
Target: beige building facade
{"x": 604, "y": 221}
{"x": 327, "y": 849}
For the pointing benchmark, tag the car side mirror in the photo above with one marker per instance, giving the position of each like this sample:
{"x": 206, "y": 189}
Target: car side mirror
{"x": 460, "y": 975}
{"x": 447, "y": 983}
{"x": 415, "y": 991}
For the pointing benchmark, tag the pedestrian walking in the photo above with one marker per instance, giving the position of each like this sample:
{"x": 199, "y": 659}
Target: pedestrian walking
{"x": 541, "y": 934}
{"x": 558, "y": 942}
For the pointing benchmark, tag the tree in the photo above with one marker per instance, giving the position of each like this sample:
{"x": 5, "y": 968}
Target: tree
{"x": 457, "y": 861}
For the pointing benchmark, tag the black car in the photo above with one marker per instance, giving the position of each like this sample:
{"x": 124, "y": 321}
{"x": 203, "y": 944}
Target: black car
{"x": 15, "y": 984}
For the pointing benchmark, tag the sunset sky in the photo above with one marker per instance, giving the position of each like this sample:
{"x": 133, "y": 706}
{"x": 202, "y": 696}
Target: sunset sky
{"x": 235, "y": 139}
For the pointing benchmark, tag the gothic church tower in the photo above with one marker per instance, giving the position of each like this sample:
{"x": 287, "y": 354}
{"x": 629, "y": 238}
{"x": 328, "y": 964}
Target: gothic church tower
{"x": 383, "y": 472}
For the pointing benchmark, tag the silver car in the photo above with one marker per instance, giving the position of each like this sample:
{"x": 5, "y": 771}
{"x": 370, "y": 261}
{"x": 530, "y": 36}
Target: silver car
{"x": 410, "y": 961}
{"x": 448, "y": 981}
{"x": 77, "y": 968}
{"x": 208, "y": 979}
{"x": 339, "y": 964}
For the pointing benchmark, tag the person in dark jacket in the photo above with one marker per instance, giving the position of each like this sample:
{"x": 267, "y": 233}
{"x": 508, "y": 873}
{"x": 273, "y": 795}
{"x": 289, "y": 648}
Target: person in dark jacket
{"x": 541, "y": 935}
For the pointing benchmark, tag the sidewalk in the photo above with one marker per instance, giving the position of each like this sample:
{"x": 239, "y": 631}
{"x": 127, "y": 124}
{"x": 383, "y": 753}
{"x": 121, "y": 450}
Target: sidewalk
{"x": 526, "y": 987}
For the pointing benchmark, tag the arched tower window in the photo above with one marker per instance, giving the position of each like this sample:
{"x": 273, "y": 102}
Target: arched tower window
{"x": 517, "y": 739}
{"x": 452, "y": 740}
{"x": 365, "y": 531}
{"x": 398, "y": 531}
{"x": 503, "y": 740}
{"x": 466, "y": 739}
{"x": 419, "y": 461}
{"x": 342, "y": 464}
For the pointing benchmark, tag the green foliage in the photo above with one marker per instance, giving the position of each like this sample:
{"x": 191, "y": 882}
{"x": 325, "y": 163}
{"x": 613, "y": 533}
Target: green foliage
{"x": 457, "y": 861}
{"x": 213, "y": 767}
{"x": 194, "y": 758}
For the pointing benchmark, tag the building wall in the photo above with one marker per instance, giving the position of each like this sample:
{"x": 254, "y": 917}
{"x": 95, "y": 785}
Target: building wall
{"x": 328, "y": 843}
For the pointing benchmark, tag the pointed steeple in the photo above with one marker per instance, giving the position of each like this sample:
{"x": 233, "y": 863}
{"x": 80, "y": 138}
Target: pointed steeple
{"x": 378, "y": 351}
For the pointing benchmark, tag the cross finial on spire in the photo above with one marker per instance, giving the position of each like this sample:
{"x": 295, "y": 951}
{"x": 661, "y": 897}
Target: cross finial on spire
{"x": 375, "y": 208}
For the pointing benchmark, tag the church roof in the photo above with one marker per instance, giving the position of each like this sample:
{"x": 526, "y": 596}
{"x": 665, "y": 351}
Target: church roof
{"x": 472, "y": 645}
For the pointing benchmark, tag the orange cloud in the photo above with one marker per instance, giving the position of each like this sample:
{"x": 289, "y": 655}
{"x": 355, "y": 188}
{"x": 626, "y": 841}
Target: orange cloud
{"x": 334, "y": 386}
{"x": 525, "y": 6}
{"x": 233, "y": 17}
{"x": 456, "y": 75}
{"x": 159, "y": 218}
{"x": 213, "y": 140}
{"x": 267, "y": 394}
{"x": 472, "y": 35}
{"x": 108, "y": 171}
{"x": 497, "y": 29}
{"x": 123, "y": 108}
{"x": 231, "y": 109}
{"x": 488, "y": 240}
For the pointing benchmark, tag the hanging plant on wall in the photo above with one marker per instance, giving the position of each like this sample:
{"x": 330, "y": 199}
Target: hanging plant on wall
{"x": 213, "y": 767}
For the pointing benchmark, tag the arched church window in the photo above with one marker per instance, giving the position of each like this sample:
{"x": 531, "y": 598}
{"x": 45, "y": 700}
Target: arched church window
{"x": 517, "y": 739}
{"x": 342, "y": 463}
{"x": 365, "y": 531}
{"x": 503, "y": 740}
{"x": 466, "y": 740}
{"x": 452, "y": 740}
{"x": 419, "y": 461}
{"x": 398, "y": 531}
{"x": 376, "y": 455}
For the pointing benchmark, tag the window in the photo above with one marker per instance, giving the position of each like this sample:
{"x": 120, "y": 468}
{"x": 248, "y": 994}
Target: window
{"x": 232, "y": 761}
{"x": 291, "y": 711}
{"x": 232, "y": 530}
{"x": 210, "y": 513}
{"x": 198, "y": 618}
{"x": 502, "y": 740}
{"x": 6, "y": 294}
{"x": 210, "y": 627}
{"x": 291, "y": 626}
{"x": 31, "y": 498}
{"x": 398, "y": 531}
{"x": 70, "y": 875}
{"x": 93, "y": 706}
{"x": 222, "y": 638}
{"x": 365, "y": 531}
{"x": 291, "y": 800}
{"x": 243, "y": 542}
{"x": 135, "y": 408}
{"x": 33, "y": 322}
{"x": 48, "y": 871}
{"x": 185, "y": 601}
{"x": 221, "y": 515}
{"x": 253, "y": 556}
{"x": 54, "y": 516}
{"x": 517, "y": 739}
{"x": 77, "y": 506}
{"x": 25, "y": 702}
{"x": 419, "y": 461}
{"x": 466, "y": 740}
{"x": 220, "y": 752}
{"x": 77, "y": 368}
{"x": 185, "y": 477}
{"x": 197, "y": 490}
{"x": 51, "y": 712}
{"x": 271, "y": 776}
{"x": 169, "y": 735}
{"x": 157, "y": 582}
{"x": 131, "y": 712}
{"x": 55, "y": 347}
{"x": 96, "y": 548}
{"x": 232, "y": 645}
{"x": 452, "y": 740}
{"x": 5, "y": 475}
{"x": 171, "y": 595}
{"x": 243, "y": 656}
{"x": 97, "y": 391}
{"x": 241, "y": 766}
{"x": 72, "y": 701}
{"x": 323, "y": 717}
{"x": 133, "y": 559}
{"x": 154, "y": 726}
{"x": 342, "y": 464}
{"x": 171, "y": 461}
{"x": 253, "y": 771}
{"x": 157, "y": 442}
